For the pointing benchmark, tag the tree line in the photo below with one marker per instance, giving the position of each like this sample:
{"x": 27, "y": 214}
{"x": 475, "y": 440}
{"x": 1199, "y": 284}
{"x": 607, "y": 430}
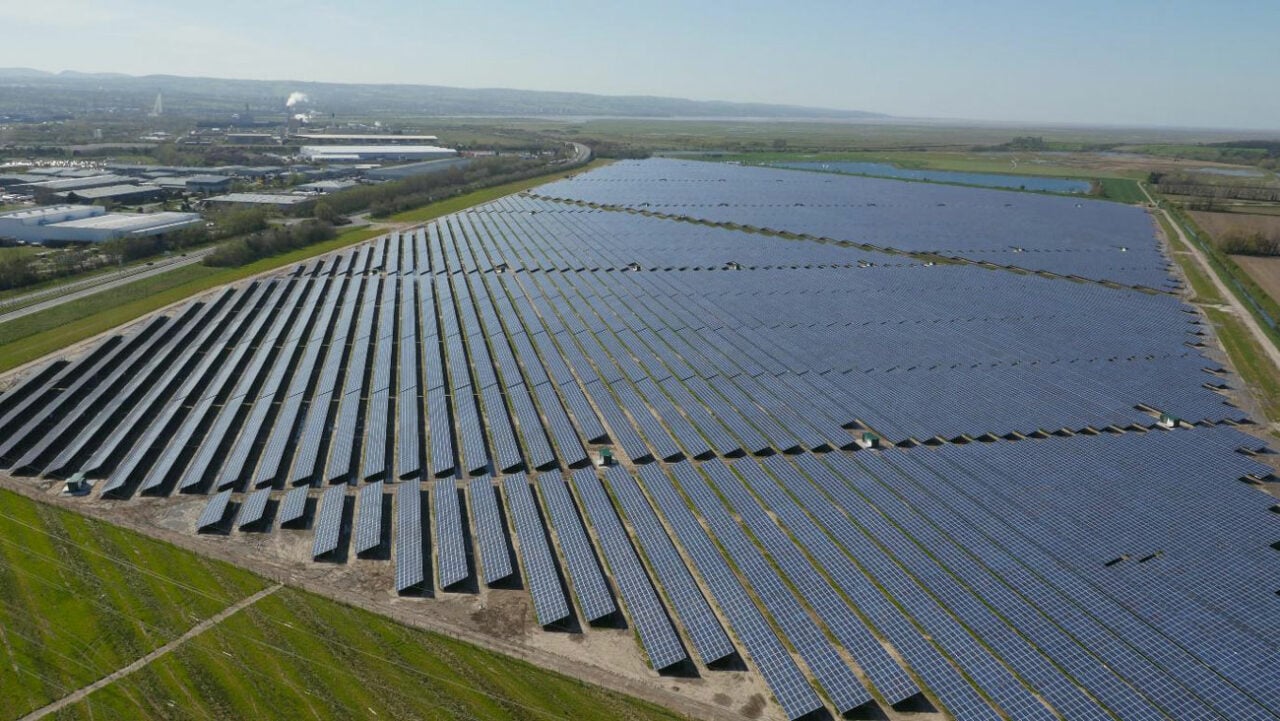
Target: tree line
{"x": 395, "y": 196}
{"x": 1255, "y": 242}
{"x": 272, "y": 241}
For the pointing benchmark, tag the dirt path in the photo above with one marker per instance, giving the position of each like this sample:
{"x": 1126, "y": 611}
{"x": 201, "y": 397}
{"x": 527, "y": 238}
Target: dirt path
{"x": 1260, "y": 336}
{"x": 199, "y": 628}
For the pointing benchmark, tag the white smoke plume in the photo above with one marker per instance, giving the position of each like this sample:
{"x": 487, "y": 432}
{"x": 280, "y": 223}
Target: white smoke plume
{"x": 295, "y": 98}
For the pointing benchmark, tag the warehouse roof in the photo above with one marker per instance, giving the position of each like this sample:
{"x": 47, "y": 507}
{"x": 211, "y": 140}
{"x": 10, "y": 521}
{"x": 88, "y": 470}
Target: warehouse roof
{"x": 93, "y": 181}
{"x": 260, "y": 198}
{"x": 368, "y": 137}
{"x": 112, "y": 191}
{"x": 133, "y": 222}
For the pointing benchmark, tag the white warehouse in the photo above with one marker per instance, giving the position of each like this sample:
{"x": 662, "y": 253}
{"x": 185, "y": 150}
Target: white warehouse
{"x": 86, "y": 224}
{"x": 363, "y": 153}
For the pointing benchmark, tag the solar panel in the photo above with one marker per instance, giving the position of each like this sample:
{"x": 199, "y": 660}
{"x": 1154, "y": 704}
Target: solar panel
{"x": 255, "y": 505}
{"x": 884, "y": 673}
{"x": 147, "y": 383}
{"x": 502, "y": 436}
{"x": 32, "y": 445}
{"x": 549, "y": 603}
{"x": 567, "y": 441}
{"x": 538, "y": 448}
{"x": 993, "y": 678}
{"x": 294, "y": 506}
{"x": 239, "y": 464}
{"x": 442, "y": 461}
{"x": 819, "y": 655}
{"x": 408, "y": 402}
{"x": 410, "y": 572}
{"x": 451, "y": 550}
{"x": 699, "y": 622}
{"x": 214, "y": 511}
{"x": 133, "y": 464}
{"x": 329, "y": 521}
{"x": 774, "y": 661}
{"x": 588, "y": 582}
{"x": 369, "y": 518}
{"x": 956, "y": 694}
{"x": 657, "y": 635}
{"x": 491, "y": 536}
{"x": 227, "y": 420}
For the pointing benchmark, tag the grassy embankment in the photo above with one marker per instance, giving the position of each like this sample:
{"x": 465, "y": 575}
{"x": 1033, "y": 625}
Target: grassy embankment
{"x": 1254, "y": 367}
{"x": 26, "y": 339}
{"x": 80, "y": 598}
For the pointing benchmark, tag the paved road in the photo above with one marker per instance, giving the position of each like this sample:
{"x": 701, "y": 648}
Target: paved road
{"x": 1260, "y": 337}
{"x": 581, "y": 153}
{"x": 120, "y": 673}
{"x": 45, "y": 299}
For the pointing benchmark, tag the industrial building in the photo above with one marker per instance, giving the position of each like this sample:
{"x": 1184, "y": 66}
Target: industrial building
{"x": 364, "y": 153}
{"x": 209, "y": 183}
{"x": 364, "y": 139}
{"x": 326, "y": 186}
{"x": 125, "y": 194}
{"x": 60, "y": 184}
{"x": 86, "y": 224}
{"x": 278, "y": 200}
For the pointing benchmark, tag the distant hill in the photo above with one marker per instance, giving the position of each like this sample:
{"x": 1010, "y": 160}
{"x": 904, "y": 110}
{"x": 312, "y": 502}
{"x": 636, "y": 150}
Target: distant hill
{"x": 25, "y": 90}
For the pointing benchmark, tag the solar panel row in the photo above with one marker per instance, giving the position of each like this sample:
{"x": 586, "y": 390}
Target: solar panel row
{"x": 409, "y": 538}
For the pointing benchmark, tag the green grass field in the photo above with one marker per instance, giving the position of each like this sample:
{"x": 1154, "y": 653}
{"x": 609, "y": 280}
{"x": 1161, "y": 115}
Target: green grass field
{"x": 1204, "y": 289}
{"x": 1258, "y": 372}
{"x": 1123, "y": 190}
{"x": 80, "y": 598}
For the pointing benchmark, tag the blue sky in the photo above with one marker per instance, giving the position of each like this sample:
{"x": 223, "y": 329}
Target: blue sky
{"x": 1142, "y": 62}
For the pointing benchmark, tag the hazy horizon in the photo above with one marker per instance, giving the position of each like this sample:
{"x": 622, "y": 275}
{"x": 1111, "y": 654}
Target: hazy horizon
{"x": 1180, "y": 65}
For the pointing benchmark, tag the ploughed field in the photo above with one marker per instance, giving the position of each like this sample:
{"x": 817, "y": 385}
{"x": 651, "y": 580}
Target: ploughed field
{"x": 870, "y": 440}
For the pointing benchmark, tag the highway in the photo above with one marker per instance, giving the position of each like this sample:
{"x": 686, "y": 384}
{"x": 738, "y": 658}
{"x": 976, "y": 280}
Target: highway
{"x": 24, "y": 305}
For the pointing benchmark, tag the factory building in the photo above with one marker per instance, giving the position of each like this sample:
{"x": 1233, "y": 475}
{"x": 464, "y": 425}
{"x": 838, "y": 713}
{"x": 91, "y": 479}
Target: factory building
{"x": 326, "y": 186}
{"x": 121, "y": 194}
{"x": 363, "y": 139}
{"x": 59, "y": 185}
{"x": 277, "y": 200}
{"x": 366, "y": 153}
{"x": 209, "y": 183}
{"x": 57, "y": 224}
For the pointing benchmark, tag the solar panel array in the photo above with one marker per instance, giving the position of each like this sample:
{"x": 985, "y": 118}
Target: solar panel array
{"x": 549, "y": 601}
{"x": 1068, "y": 236}
{"x": 1077, "y": 561}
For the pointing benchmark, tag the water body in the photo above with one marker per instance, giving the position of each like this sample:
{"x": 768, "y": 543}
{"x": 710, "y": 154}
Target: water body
{"x": 989, "y": 180}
